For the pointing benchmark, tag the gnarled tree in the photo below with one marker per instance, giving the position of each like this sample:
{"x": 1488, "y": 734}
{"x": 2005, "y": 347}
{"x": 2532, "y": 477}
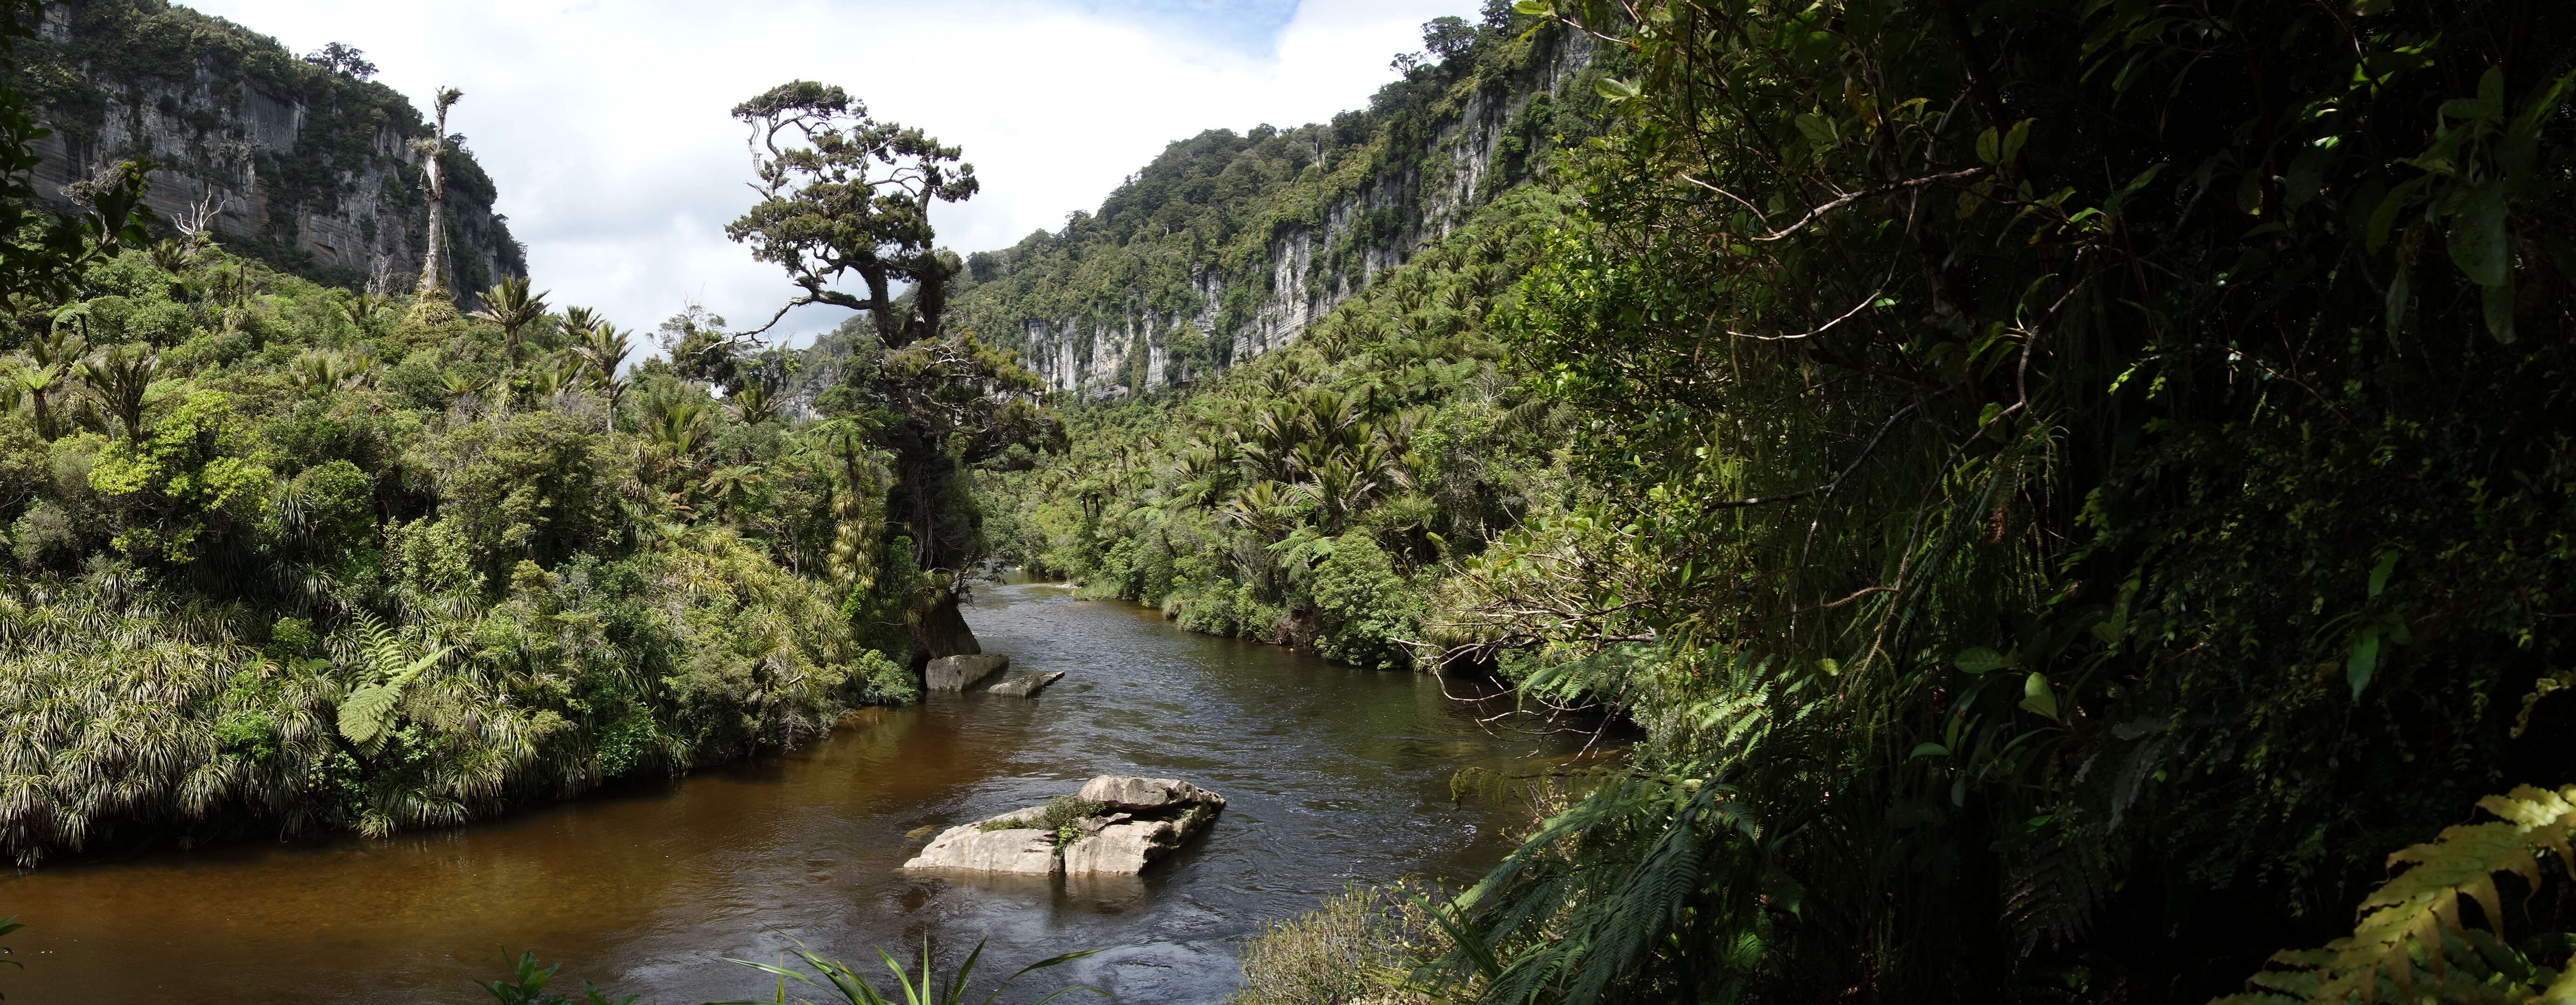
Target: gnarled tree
{"x": 845, "y": 196}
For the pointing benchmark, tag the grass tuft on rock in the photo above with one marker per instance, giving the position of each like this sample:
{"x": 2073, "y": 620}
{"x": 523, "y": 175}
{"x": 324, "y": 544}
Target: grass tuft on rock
{"x": 1056, "y": 817}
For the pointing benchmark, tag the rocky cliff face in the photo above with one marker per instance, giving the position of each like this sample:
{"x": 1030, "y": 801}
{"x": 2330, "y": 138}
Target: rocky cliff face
{"x": 308, "y": 166}
{"x": 1230, "y": 247}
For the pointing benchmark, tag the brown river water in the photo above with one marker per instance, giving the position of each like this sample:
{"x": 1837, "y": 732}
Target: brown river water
{"x": 1333, "y": 775}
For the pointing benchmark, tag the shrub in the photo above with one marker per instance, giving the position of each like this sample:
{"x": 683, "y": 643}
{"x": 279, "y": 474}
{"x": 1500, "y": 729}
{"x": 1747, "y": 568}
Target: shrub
{"x": 1365, "y": 604}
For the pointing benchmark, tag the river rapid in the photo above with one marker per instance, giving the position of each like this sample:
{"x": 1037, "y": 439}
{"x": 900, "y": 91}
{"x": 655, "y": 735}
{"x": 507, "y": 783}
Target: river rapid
{"x": 1333, "y": 775}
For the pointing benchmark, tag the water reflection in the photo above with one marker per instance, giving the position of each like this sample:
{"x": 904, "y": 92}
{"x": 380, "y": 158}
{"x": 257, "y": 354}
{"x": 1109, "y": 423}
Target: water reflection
{"x": 1332, "y": 774}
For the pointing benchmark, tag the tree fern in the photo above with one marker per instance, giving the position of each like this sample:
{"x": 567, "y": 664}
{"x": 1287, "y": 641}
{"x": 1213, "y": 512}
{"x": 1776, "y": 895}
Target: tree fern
{"x": 367, "y": 714}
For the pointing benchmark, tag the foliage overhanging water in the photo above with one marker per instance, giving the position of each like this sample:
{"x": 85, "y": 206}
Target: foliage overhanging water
{"x": 1333, "y": 774}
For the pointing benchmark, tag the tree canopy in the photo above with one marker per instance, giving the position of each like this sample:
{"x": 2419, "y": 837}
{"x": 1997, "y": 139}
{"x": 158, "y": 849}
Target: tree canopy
{"x": 853, "y": 198}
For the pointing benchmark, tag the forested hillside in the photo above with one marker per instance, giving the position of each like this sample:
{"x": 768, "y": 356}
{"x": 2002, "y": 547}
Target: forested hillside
{"x": 1308, "y": 494}
{"x": 2065, "y": 491}
{"x": 1228, "y": 246}
{"x": 1311, "y": 496}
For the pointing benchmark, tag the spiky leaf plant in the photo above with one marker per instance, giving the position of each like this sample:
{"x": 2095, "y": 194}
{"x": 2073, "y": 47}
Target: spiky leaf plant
{"x": 509, "y": 304}
{"x": 841, "y": 979}
{"x": 527, "y": 986}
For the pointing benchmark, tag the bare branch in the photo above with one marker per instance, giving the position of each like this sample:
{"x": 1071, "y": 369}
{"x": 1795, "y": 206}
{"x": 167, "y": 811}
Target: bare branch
{"x": 1820, "y": 211}
{"x": 1828, "y": 487}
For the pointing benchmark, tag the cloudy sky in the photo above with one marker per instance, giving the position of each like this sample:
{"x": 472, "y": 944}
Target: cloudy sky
{"x": 605, "y": 126}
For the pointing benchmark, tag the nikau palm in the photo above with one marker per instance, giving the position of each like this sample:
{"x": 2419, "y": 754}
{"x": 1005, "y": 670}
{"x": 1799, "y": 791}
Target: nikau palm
{"x": 120, "y": 379}
{"x": 509, "y": 304}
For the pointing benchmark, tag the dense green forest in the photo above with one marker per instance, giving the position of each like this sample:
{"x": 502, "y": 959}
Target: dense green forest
{"x": 238, "y": 499}
{"x": 1310, "y": 496}
{"x": 2070, "y": 500}
{"x": 2065, "y": 489}
{"x": 286, "y": 557}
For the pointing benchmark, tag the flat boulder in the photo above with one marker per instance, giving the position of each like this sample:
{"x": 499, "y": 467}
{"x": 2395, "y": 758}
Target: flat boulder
{"x": 1024, "y": 687}
{"x": 957, "y": 673}
{"x": 1024, "y": 851}
{"x": 1147, "y": 795}
{"x": 1130, "y": 823}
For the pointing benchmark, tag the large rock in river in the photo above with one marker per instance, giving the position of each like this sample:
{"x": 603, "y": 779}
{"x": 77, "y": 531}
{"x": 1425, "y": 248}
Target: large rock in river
{"x": 957, "y": 673}
{"x": 1134, "y": 821}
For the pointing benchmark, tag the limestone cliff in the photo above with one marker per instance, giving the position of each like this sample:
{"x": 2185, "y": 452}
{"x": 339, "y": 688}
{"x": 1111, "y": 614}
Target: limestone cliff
{"x": 308, "y": 166}
{"x": 1229, "y": 246}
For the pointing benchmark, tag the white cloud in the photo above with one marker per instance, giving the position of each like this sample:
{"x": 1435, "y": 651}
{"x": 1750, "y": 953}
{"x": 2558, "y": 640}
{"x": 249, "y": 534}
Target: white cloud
{"x": 605, "y": 127}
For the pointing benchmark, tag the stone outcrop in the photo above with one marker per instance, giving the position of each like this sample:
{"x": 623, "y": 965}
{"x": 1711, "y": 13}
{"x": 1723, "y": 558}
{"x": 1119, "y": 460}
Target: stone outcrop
{"x": 309, "y": 167}
{"x": 958, "y": 673}
{"x": 1148, "y": 819}
{"x": 1025, "y": 687}
{"x": 1123, "y": 849}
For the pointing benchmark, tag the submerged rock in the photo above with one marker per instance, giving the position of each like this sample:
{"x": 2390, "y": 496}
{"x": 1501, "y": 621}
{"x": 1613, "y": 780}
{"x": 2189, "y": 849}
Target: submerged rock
{"x": 1148, "y": 819}
{"x": 957, "y": 673}
{"x": 1023, "y": 687}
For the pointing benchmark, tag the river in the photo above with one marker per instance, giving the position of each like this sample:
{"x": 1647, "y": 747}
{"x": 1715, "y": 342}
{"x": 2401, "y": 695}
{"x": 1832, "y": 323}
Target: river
{"x": 1333, "y": 775}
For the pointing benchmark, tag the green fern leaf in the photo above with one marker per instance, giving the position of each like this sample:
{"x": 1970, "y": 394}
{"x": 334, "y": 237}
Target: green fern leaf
{"x": 404, "y": 675}
{"x": 2416, "y": 916}
{"x": 367, "y": 713}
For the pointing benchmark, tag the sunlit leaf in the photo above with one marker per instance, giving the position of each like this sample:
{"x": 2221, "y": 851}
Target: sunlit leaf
{"x": 2037, "y": 697}
{"x": 2363, "y": 660}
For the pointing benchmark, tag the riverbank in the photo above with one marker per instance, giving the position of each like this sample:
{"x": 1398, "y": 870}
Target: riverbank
{"x": 135, "y": 721}
{"x": 1332, "y": 773}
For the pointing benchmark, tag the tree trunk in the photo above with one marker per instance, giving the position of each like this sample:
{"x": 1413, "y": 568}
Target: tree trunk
{"x": 939, "y": 630}
{"x": 433, "y": 271}
{"x": 921, "y": 478}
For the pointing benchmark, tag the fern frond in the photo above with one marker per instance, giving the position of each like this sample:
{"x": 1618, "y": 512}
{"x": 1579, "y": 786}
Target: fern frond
{"x": 2054, "y": 893}
{"x": 2410, "y": 928}
{"x": 383, "y": 645}
{"x": 366, "y": 714}
{"x": 404, "y": 675}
